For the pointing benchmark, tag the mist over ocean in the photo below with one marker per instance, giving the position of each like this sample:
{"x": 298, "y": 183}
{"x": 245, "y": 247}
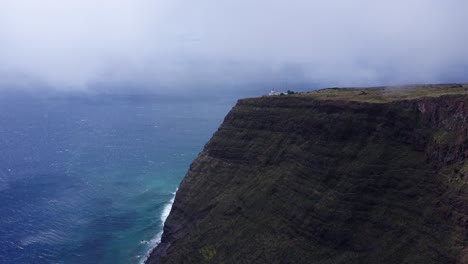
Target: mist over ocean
{"x": 86, "y": 179}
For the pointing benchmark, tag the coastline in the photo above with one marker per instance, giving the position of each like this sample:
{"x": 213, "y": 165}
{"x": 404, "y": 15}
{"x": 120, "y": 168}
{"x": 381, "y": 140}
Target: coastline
{"x": 330, "y": 169}
{"x": 157, "y": 239}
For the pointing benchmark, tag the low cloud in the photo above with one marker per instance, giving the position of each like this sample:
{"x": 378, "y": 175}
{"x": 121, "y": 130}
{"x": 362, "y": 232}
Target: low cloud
{"x": 179, "y": 45}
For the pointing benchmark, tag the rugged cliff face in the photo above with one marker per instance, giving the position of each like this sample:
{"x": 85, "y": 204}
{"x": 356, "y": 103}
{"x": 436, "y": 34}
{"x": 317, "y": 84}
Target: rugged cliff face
{"x": 334, "y": 176}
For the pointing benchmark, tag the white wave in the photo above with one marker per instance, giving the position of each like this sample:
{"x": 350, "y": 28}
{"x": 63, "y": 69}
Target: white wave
{"x": 153, "y": 243}
{"x": 167, "y": 208}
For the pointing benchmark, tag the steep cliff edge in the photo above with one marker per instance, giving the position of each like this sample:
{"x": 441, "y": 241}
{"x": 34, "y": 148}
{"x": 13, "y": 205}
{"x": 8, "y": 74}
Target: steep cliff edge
{"x": 334, "y": 176}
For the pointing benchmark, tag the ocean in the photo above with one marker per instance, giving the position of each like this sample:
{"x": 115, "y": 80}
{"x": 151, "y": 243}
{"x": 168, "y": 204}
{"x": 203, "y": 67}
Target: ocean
{"x": 90, "y": 179}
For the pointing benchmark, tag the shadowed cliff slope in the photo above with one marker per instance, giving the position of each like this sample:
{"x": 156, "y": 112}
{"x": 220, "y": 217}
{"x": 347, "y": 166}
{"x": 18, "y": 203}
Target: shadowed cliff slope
{"x": 333, "y": 176}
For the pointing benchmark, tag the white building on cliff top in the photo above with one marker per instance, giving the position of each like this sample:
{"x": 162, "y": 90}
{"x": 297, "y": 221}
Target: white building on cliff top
{"x": 276, "y": 93}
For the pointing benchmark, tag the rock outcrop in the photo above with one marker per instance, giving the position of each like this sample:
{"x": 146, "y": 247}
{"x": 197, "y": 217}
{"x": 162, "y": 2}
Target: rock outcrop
{"x": 334, "y": 176}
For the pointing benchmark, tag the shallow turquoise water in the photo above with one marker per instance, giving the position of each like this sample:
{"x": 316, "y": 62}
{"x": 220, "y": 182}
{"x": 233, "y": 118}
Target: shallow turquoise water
{"x": 85, "y": 180}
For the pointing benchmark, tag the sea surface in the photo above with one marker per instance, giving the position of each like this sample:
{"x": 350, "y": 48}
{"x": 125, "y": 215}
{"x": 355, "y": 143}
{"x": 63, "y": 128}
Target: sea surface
{"x": 90, "y": 179}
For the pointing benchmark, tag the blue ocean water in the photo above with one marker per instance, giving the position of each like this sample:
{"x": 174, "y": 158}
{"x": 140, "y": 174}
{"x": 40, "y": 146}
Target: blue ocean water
{"x": 86, "y": 180}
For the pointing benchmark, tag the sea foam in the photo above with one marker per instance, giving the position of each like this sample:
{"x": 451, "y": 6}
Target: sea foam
{"x": 153, "y": 243}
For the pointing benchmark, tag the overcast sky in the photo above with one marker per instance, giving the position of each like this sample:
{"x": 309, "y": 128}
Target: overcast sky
{"x": 175, "y": 44}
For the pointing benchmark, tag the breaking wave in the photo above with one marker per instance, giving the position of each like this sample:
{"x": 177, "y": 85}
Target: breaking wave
{"x": 153, "y": 243}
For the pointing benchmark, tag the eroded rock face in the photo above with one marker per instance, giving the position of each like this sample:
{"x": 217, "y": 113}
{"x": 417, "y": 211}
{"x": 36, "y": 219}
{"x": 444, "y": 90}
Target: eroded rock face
{"x": 299, "y": 180}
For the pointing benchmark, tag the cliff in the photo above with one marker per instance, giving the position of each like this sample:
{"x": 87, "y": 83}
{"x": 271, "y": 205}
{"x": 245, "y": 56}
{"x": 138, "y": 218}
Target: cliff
{"x": 333, "y": 176}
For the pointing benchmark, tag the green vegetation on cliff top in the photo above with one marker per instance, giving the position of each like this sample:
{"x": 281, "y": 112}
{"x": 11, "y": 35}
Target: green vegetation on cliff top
{"x": 387, "y": 94}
